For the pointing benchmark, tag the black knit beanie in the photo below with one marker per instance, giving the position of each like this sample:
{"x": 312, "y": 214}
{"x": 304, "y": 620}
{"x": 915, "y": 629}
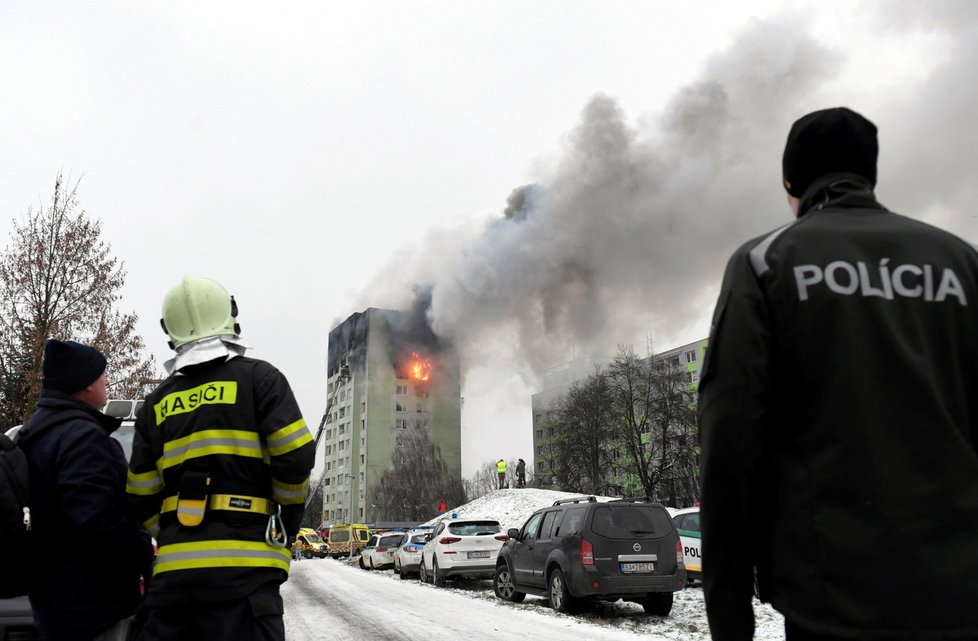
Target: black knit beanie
{"x": 826, "y": 142}
{"x": 70, "y": 366}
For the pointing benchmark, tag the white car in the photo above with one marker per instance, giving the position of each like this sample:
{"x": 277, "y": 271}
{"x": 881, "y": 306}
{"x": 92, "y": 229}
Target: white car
{"x": 687, "y": 521}
{"x": 461, "y": 547}
{"x": 407, "y": 558}
{"x": 379, "y": 553}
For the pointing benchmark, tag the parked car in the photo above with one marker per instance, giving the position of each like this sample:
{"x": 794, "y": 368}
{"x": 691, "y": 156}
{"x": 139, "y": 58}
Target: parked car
{"x": 461, "y": 547}
{"x": 687, "y": 521}
{"x": 581, "y": 549}
{"x": 407, "y": 558}
{"x": 311, "y": 546}
{"x": 379, "y": 552}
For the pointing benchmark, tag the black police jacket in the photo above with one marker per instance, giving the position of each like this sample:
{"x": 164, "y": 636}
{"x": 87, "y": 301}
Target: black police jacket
{"x": 838, "y": 409}
{"x": 89, "y": 553}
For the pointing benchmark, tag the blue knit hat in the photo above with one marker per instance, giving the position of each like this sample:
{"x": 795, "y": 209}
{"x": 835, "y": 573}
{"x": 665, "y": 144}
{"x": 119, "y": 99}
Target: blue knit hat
{"x": 70, "y": 366}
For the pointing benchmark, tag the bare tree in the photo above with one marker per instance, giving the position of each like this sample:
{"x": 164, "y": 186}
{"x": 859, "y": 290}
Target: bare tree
{"x": 654, "y": 422}
{"x": 58, "y": 279}
{"x": 417, "y": 479}
{"x": 579, "y": 452}
{"x": 484, "y": 481}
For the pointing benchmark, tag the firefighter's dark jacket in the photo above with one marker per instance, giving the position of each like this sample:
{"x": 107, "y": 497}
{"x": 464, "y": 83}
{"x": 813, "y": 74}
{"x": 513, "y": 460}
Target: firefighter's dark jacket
{"x": 89, "y": 553}
{"x": 838, "y": 410}
{"x": 224, "y": 439}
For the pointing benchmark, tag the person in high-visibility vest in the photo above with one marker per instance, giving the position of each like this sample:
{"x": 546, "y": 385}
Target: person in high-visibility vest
{"x": 219, "y": 472}
{"x": 501, "y": 471}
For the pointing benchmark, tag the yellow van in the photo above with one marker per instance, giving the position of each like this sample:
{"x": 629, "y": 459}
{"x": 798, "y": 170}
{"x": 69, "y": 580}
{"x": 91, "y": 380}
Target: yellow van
{"x": 311, "y": 545}
{"x": 340, "y": 535}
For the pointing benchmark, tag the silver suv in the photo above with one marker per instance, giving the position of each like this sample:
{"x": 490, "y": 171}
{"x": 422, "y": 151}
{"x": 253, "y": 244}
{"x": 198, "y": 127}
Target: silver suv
{"x": 581, "y": 549}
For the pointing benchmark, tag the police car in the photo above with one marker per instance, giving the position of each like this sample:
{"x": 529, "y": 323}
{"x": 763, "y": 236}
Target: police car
{"x": 687, "y": 521}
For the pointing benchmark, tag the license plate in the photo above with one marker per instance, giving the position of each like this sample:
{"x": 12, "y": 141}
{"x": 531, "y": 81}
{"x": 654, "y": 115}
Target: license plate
{"x": 638, "y": 568}
{"x": 478, "y": 555}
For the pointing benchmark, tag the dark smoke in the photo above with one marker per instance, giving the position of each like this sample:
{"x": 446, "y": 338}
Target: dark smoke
{"x": 628, "y": 230}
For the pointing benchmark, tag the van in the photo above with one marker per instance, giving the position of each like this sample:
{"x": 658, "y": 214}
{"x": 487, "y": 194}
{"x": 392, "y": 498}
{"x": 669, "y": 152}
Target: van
{"x": 340, "y": 536}
{"x": 310, "y": 544}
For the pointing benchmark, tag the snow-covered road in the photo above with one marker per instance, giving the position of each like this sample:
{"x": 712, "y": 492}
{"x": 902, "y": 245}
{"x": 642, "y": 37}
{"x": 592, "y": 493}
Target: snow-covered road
{"x": 334, "y": 601}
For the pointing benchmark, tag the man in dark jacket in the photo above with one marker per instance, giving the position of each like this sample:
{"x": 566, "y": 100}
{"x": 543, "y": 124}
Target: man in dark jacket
{"x": 220, "y": 468}
{"x": 87, "y": 581}
{"x": 839, "y": 414}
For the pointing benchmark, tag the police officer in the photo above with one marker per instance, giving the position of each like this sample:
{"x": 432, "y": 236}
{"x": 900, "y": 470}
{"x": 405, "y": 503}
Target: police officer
{"x": 220, "y": 470}
{"x": 838, "y": 412}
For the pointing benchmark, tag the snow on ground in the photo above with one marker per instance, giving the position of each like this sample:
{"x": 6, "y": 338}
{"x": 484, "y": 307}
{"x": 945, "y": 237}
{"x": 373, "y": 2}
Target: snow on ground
{"x": 510, "y": 507}
{"x": 440, "y": 613}
{"x": 390, "y": 608}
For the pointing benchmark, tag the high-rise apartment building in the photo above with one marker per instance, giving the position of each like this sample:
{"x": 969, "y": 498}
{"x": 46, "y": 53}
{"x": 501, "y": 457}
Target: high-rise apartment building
{"x": 387, "y": 373}
{"x": 558, "y": 381}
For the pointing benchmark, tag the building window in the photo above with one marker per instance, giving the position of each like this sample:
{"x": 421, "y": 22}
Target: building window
{"x": 540, "y": 465}
{"x": 400, "y": 424}
{"x": 691, "y": 357}
{"x": 539, "y": 449}
{"x": 329, "y": 465}
{"x": 400, "y": 407}
{"x": 401, "y": 390}
{"x": 422, "y": 425}
{"x": 363, "y": 407}
{"x": 539, "y": 433}
{"x": 341, "y": 429}
{"x": 329, "y": 449}
{"x": 422, "y": 408}
{"x": 342, "y": 444}
{"x": 363, "y": 459}
{"x": 342, "y": 412}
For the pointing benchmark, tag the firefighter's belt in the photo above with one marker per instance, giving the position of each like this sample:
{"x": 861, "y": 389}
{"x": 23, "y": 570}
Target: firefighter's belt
{"x": 230, "y": 502}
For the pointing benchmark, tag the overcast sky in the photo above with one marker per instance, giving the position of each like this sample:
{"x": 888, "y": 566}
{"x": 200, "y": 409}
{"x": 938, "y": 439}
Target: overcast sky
{"x": 318, "y": 158}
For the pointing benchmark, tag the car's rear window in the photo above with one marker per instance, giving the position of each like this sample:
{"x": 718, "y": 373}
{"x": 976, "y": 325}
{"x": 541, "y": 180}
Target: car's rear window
{"x": 390, "y": 541}
{"x": 474, "y": 528}
{"x": 419, "y": 538}
{"x": 630, "y": 521}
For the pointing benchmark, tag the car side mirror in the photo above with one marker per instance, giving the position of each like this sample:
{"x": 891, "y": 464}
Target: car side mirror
{"x": 513, "y": 533}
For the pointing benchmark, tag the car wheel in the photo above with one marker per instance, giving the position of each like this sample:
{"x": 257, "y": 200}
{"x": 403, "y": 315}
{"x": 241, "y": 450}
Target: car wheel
{"x": 363, "y": 565}
{"x": 659, "y": 605}
{"x": 370, "y": 563}
{"x": 560, "y": 599}
{"x": 437, "y": 577}
{"x": 502, "y": 585}
{"x": 423, "y": 573}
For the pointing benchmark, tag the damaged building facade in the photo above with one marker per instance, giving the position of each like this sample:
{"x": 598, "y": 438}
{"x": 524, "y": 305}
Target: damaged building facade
{"x": 387, "y": 374}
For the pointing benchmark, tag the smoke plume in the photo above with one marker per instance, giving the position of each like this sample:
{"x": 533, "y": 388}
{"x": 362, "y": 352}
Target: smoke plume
{"x": 628, "y": 230}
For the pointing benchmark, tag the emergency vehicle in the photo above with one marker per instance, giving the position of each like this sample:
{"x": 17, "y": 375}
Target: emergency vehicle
{"x": 340, "y": 536}
{"x": 687, "y": 521}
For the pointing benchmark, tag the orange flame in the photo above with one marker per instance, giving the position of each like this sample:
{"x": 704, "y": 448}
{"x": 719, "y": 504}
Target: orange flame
{"x": 419, "y": 368}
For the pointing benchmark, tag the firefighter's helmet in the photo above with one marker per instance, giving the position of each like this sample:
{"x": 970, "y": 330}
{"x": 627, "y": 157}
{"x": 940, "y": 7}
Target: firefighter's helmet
{"x": 198, "y": 308}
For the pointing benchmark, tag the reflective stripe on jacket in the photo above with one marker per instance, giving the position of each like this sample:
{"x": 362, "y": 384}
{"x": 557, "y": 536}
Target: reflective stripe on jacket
{"x": 228, "y": 434}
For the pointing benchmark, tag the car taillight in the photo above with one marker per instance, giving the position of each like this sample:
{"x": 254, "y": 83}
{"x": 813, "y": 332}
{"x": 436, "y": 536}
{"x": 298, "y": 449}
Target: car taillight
{"x": 502, "y": 537}
{"x": 587, "y": 553}
{"x": 381, "y": 549}
{"x": 679, "y": 551}
{"x": 445, "y": 540}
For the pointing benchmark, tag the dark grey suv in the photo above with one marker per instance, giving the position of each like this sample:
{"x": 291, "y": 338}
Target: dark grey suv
{"x": 584, "y": 549}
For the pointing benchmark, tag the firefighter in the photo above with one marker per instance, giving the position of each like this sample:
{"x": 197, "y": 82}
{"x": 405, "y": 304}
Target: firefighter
{"x": 219, "y": 472}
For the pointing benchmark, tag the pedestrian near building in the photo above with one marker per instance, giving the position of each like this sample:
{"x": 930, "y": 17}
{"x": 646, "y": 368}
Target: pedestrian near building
{"x": 220, "y": 468}
{"x": 77, "y": 483}
{"x": 838, "y": 412}
{"x": 521, "y": 473}
{"x": 501, "y": 473}
{"x": 441, "y": 506}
